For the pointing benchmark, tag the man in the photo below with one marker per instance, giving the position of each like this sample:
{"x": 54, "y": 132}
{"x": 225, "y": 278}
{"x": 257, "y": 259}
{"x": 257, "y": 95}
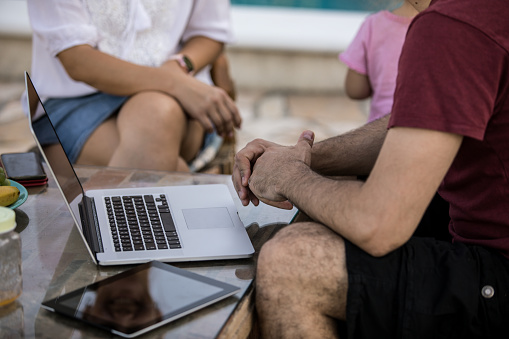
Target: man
{"x": 357, "y": 260}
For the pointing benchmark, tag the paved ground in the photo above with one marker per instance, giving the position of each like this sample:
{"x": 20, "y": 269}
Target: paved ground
{"x": 279, "y": 117}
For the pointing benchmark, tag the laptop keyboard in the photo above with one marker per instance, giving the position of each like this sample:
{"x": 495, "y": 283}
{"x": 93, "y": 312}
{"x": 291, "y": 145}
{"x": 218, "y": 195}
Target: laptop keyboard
{"x": 140, "y": 223}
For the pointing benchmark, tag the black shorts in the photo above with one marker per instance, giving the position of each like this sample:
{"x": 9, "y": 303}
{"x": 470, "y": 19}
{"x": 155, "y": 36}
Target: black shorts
{"x": 428, "y": 289}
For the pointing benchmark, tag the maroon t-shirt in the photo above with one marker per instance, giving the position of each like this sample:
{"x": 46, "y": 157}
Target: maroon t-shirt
{"x": 454, "y": 77}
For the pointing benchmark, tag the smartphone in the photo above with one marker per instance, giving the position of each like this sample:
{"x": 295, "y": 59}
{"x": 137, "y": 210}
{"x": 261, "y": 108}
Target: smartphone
{"x": 23, "y": 167}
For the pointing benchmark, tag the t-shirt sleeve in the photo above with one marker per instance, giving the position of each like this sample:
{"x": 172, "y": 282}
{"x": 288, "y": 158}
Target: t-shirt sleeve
{"x": 355, "y": 56}
{"x": 61, "y": 24}
{"x": 448, "y": 77}
{"x": 210, "y": 19}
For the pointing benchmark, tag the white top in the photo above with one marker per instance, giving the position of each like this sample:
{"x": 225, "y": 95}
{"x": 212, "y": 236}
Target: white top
{"x": 145, "y": 32}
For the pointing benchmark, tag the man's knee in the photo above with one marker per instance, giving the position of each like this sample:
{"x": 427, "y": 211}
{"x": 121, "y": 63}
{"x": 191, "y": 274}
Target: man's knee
{"x": 275, "y": 265}
{"x": 308, "y": 260}
{"x": 286, "y": 246}
{"x": 301, "y": 247}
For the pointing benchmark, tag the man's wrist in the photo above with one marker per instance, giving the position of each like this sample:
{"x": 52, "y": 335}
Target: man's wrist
{"x": 289, "y": 182}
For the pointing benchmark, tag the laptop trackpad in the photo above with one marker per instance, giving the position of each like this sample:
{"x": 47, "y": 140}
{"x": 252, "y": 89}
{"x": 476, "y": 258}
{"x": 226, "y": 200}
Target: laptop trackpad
{"x": 200, "y": 218}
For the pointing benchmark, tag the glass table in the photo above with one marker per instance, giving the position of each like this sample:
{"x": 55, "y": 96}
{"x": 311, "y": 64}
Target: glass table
{"x": 56, "y": 261}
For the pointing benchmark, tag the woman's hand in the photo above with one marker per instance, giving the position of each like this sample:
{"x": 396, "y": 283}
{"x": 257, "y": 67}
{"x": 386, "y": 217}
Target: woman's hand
{"x": 210, "y": 105}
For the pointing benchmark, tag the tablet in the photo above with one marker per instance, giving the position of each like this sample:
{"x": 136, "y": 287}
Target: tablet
{"x": 141, "y": 299}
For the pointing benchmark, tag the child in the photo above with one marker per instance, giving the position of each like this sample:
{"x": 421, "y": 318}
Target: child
{"x": 372, "y": 58}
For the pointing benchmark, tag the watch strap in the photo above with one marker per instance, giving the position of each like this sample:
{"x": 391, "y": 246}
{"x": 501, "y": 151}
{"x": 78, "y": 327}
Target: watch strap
{"x": 184, "y": 62}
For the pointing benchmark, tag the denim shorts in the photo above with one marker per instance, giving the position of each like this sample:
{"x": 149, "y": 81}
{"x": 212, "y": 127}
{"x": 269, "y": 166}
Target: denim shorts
{"x": 428, "y": 289}
{"x": 75, "y": 119}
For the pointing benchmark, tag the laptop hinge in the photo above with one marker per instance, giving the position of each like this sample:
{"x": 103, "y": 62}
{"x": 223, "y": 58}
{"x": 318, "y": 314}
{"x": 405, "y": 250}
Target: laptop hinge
{"x": 90, "y": 224}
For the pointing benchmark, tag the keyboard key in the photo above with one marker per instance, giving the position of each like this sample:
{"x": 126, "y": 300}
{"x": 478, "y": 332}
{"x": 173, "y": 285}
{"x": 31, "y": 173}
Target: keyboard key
{"x": 168, "y": 224}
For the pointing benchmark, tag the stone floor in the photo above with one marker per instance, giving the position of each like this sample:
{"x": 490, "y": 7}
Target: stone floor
{"x": 279, "y": 117}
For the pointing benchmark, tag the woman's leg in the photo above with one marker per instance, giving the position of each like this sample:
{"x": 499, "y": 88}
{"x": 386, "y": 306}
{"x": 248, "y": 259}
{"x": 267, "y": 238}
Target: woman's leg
{"x": 101, "y": 144}
{"x": 148, "y": 132}
{"x": 193, "y": 140}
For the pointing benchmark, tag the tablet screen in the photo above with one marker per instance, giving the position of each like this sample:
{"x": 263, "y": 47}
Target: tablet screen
{"x": 141, "y": 299}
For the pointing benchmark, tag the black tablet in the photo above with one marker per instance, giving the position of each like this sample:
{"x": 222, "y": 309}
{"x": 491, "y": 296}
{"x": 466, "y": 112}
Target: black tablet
{"x": 141, "y": 299}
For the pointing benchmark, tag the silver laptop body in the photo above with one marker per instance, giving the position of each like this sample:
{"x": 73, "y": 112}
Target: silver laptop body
{"x": 174, "y": 223}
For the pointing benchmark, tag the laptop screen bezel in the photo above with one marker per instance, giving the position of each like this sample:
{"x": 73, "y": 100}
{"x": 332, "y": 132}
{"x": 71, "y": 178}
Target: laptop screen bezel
{"x": 34, "y": 101}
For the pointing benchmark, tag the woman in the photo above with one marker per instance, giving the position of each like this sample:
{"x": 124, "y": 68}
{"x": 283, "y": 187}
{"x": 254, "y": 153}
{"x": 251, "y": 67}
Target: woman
{"x": 126, "y": 83}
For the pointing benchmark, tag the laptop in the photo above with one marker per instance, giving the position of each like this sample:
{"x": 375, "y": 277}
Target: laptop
{"x": 136, "y": 225}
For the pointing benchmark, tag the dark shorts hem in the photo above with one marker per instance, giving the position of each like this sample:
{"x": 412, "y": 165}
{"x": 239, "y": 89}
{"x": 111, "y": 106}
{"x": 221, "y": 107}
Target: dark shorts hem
{"x": 427, "y": 289}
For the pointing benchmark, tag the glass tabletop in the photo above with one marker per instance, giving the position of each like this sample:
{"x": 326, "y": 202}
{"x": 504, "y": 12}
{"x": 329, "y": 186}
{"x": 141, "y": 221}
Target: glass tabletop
{"x": 55, "y": 259}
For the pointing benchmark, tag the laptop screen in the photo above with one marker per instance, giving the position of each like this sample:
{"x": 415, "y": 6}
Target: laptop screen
{"x": 54, "y": 154}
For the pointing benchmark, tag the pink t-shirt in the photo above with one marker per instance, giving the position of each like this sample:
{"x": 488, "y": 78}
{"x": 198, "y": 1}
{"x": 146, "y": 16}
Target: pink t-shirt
{"x": 375, "y": 52}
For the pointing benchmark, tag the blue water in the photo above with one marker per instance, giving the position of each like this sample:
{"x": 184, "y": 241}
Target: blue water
{"x": 343, "y": 5}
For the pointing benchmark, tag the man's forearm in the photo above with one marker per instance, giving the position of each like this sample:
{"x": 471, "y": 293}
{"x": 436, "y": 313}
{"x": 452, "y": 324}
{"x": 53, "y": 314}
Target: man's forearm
{"x": 382, "y": 213}
{"x": 352, "y": 153}
{"x": 323, "y": 199}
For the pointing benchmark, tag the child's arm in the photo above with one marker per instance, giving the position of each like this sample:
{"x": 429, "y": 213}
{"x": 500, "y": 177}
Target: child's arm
{"x": 357, "y": 86}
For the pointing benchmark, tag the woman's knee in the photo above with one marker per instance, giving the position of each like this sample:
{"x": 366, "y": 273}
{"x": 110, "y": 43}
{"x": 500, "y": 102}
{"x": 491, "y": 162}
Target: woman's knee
{"x": 154, "y": 109}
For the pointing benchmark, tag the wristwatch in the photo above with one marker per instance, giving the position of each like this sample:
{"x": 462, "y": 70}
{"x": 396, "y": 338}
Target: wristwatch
{"x": 184, "y": 62}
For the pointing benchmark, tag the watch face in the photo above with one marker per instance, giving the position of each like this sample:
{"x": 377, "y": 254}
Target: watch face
{"x": 189, "y": 64}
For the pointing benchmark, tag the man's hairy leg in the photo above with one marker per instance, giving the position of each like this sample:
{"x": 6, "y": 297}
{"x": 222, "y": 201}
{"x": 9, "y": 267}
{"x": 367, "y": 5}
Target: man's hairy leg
{"x": 302, "y": 283}
{"x": 151, "y": 127}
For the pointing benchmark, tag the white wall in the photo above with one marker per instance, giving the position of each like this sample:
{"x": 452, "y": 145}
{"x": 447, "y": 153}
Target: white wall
{"x": 276, "y": 49}
{"x": 14, "y": 18}
{"x": 254, "y": 27}
{"x": 294, "y": 29}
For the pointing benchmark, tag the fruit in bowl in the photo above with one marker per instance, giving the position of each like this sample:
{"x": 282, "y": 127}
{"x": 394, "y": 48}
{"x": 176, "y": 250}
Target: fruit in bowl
{"x": 3, "y": 178}
{"x": 8, "y": 194}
